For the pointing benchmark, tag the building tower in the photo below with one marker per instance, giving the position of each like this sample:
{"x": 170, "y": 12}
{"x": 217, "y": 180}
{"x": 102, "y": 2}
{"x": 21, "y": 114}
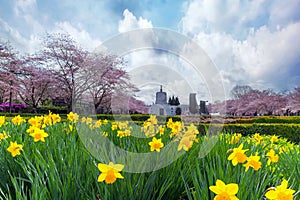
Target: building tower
{"x": 161, "y": 97}
{"x": 193, "y": 104}
{"x": 203, "y": 108}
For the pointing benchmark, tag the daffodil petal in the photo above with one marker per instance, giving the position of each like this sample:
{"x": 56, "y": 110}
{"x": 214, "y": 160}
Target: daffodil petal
{"x": 234, "y": 162}
{"x": 215, "y": 189}
{"x": 290, "y": 191}
{"x": 103, "y": 167}
{"x": 232, "y": 188}
{"x": 118, "y": 167}
{"x": 241, "y": 146}
{"x": 118, "y": 175}
{"x": 271, "y": 194}
{"x": 220, "y": 184}
{"x": 284, "y": 183}
{"x": 231, "y": 156}
{"x": 101, "y": 177}
{"x": 234, "y": 198}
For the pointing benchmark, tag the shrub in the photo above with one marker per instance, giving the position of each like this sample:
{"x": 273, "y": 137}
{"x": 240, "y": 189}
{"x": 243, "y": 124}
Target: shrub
{"x": 135, "y": 117}
{"x": 264, "y": 119}
{"x": 289, "y": 131}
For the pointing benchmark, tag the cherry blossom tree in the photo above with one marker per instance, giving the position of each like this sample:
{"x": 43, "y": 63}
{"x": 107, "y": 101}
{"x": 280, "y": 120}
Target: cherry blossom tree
{"x": 240, "y": 90}
{"x": 293, "y": 102}
{"x": 36, "y": 82}
{"x": 9, "y": 71}
{"x": 64, "y": 70}
{"x": 105, "y": 78}
{"x": 271, "y": 102}
{"x": 122, "y": 103}
{"x": 65, "y": 57}
{"x": 254, "y": 102}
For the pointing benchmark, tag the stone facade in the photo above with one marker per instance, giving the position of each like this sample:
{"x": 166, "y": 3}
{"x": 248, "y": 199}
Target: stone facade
{"x": 162, "y": 107}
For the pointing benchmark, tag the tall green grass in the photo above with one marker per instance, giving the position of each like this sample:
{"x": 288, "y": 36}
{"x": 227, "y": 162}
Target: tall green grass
{"x": 63, "y": 168}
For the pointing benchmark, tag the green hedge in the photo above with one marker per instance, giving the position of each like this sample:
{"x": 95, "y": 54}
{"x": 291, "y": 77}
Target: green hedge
{"x": 264, "y": 119}
{"x": 25, "y": 115}
{"x": 29, "y": 115}
{"x": 54, "y": 109}
{"x": 111, "y": 117}
{"x": 287, "y": 127}
{"x": 277, "y": 119}
{"x": 135, "y": 117}
{"x": 289, "y": 131}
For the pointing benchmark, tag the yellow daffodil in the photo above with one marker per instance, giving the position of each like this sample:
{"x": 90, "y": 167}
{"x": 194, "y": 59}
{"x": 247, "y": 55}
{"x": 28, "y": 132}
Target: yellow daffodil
{"x": 36, "y": 121}
{"x": 89, "y": 120}
{"x": 193, "y": 129}
{"x": 150, "y": 126}
{"x": 71, "y": 127}
{"x": 2, "y": 120}
{"x": 156, "y": 144}
{"x": 98, "y": 123}
{"x": 253, "y": 161}
{"x": 105, "y": 134}
{"x": 15, "y": 148}
{"x": 281, "y": 192}
{"x": 177, "y": 129}
{"x": 223, "y": 191}
{"x": 73, "y": 117}
{"x": 238, "y": 155}
{"x": 235, "y": 138}
{"x": 120, "y": 134}
{"x": 47, "y": 120}
{"x": 153, "y": 119}
{"x": 161, "y": 130}
{"x": 17, "y": 120}
{"x": 91, "y": 126}
{"x": 83, "y": 119}
{"x": 3, "y": 135}
{"x": 146, "y": 124}
{"x": 177, "y": 126}
{"x": 127, "y": 132}
{"x": 39, "y": 135}
{"x": 114, "y": 127}
{"x": 274, "y": 138}
{"x": 55, "y": 118}
{"x": 122, "y": 125}
{"x": 110, "y": 172}
{"x": 31, "y": 129}
{"x": 272, "y": 157}
{"x": 170, "y": 123}
{"x": 185, "y": 143}
{"x": 257, "y": 137}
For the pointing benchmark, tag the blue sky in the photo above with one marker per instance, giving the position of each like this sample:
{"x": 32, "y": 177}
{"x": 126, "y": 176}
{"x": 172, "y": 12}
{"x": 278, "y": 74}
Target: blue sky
{"x": 253, "y": 42}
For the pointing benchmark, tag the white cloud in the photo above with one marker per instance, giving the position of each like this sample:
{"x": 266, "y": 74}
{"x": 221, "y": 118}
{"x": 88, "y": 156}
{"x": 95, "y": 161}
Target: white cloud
{"x": 164, "y": 68}
{"x": 221, "y": 16}
{"x": 271, "y": 51}
{"x": 32, "y": 43}
{"x": 130, "y": 22}
{"x": 26, "y": 10}
{"x": 79, "y": 35}
{"x": 267, "y": 54}
{"x": 18, "y": 41}
{"x": 24, "y": 6}
{"x": 26, "y": 36}
{"x": 284, "y": 12}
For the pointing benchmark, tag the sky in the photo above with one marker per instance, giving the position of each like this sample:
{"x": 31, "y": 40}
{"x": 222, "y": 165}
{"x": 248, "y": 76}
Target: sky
{"x": 250, "y": 42}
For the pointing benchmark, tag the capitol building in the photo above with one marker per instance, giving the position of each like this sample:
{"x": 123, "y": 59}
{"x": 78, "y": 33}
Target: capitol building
{"x": 173, "y": 107}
